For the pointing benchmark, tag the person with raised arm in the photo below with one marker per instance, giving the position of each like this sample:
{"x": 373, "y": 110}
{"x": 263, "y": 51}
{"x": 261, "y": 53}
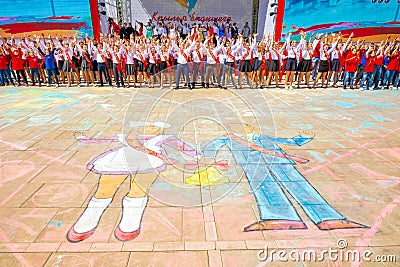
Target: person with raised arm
{"x": 212, "y": 61}
{"x": 305, "y": 61}
{"x": 393, "y": 52}
{"x": 336, "y": 53}
{"x": 68, "y": 66}
{"x": 351, "y": 60}
{"x": 292, "y": 49}
{"x": 274, "y": 61}
{"x": 86, "y": 63}
{"x": 199, "y": 64}
{"x": 378, "y": 68}
{"x": 324, "y": 64}
{"x": 165, "y": 65}
{"x": 100, "y": 53}
{"x": 246, "y": 51}
{"x": 183, "y": 52}
{"x": 17, "y": 63}
{"x": 118, "y": 60}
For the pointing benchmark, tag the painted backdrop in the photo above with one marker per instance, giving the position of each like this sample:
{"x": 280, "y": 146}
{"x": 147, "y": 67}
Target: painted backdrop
{"x": 40, "y": 16}
{"x": 369, "y": 19}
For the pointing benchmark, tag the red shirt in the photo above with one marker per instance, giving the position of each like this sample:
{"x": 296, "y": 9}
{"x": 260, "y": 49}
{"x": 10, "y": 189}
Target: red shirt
{"x": 369, "y": 67}
{"x": 351, "y": 62}
{"x": 3, "y": 62}
{"x": 393, "y": 62}
{"x": 379, "y": 60}
{"x": 17, "y": 61}
{"x": 33, "y": 62}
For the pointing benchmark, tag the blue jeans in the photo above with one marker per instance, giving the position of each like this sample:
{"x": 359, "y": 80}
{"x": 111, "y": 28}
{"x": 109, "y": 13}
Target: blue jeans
{"x": 35, "y": 71}
{"x": 51, "y": 72}
{"x": 101, "y": 68}
{"x": 397, "y": 81}
{"x": 388, "y": 78}
{"x": 182, "y": 68}
{"x": 377, "y": 76}
{"x": 315, "y": 61}
{"x": 367, "y": 76}
{"x": 348, "y": 76}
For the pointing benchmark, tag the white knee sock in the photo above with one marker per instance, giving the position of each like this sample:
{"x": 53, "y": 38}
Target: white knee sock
{"x": 132, "y": 212}
{"x": 91, "y": 216}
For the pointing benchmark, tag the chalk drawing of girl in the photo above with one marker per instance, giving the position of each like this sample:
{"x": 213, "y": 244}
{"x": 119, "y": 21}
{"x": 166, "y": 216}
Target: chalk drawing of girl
{"x": 140, "y": 158}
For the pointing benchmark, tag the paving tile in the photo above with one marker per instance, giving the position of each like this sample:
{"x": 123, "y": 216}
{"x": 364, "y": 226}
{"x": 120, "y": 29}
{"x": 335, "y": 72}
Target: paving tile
{"x": 201, "y": 245}
{"x": 23, "y": 259}
{"x": 175, "y": 259}
{"x": 83, "y": 259}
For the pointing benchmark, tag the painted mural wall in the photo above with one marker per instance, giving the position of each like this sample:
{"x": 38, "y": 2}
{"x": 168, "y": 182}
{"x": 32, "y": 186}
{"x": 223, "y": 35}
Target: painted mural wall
{"x": 67, "y": 17}
{"x": 372, "y": 20}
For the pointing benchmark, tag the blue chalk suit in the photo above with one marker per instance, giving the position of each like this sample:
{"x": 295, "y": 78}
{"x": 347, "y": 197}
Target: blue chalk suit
{"x": 269, "y": 174}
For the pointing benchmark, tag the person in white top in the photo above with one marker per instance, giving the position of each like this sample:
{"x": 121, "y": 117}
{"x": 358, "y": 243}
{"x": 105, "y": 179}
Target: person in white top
{"x": 165, "y": 65}
{"x": 305, "y": 60}
{"x": 246, "y": 51}
{"x": 199, "y": 63}
{"x": 68, "y": 66}
{"x": 183, "y": 52}
{"x": 212, "y": 61}
{"x": 291, "y": 64}
{"x": 336, "y": 52}
{"x": 324, "y": 64}
{"x": 100, "y": 53}
{"x": 154, "y": 58}
{"x": 274, "y": 61}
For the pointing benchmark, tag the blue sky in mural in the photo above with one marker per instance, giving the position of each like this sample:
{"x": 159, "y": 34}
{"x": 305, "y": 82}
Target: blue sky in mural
{"x": 19, "y": 11}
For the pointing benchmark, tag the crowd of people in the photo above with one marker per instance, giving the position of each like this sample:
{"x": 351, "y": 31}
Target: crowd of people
{"x": 190, "y": 57}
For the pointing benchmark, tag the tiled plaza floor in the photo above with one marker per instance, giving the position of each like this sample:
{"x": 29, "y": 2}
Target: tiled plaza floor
{"x": 354, "y": 164}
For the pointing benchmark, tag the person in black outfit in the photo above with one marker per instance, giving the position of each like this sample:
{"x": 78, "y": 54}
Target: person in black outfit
{"x": 129, "y": 31}
{"x": 122, "y": 33}
{"x": 235, "y": 31}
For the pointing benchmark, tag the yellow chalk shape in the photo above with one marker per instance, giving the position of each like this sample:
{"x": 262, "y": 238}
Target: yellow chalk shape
{"x": 207, "y": 176}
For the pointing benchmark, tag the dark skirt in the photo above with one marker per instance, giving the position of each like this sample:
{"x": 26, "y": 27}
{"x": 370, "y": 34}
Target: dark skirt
{"x": 273, "y": 65}
{"x": 335, "y": 64}
{"x": 290, "y": 64}
{"x": 130, "y": 69}
{"x": 152, "y": 69}
{"x": 305, "y": 65}
{"x": 60, "y": 65}
{"x": 67, "y": 66}
{"x": 94, "y": 65}
{"x": 323, "y": 66}
{"x": 139, "y": 66}
{"x": 85, "y": 65}
{"x": 163, "y": 65}
{"x": 245, "y": 66}
{"x": 75, "y": 60}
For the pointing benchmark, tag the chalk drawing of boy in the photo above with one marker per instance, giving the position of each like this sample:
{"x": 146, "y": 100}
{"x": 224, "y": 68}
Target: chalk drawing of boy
{"x": 270, "y": 172}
